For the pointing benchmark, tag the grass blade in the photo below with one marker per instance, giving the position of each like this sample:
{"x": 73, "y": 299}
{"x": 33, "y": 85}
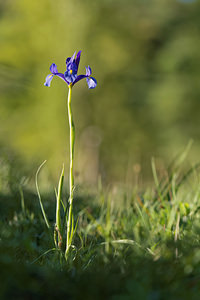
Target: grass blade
{"x": 39, "y": 197}
{"x": 58, "y": 198}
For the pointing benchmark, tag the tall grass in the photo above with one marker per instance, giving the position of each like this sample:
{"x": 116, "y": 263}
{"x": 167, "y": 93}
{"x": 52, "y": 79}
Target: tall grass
{"x": 141, "y": 223}
{"x": 125, "y": 235}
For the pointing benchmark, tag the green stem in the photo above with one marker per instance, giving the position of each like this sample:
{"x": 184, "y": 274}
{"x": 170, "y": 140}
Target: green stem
{"x": 71, "y": 175}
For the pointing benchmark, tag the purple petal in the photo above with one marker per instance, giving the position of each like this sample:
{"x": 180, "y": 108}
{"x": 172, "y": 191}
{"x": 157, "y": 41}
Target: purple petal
{"x": 72, "y": 67}
{"x": 73, "y": 57}
{"x": 70, "y": 60}
{"x": 79, "y": 77}
{"x": 78, "y": 58}
{"x": 53, "y": 69}
{"x": 62, "y": 77}
{"x": 92, "y": 83}
{"x": 70, "y": 77}
{"x": 48, "y": 79}
{"x": 88, "y": 71}
{"x": 67, "y": 60}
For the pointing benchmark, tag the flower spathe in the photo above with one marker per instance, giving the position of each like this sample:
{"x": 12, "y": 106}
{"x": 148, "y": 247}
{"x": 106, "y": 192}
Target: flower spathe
{"x": 70, "y": 76}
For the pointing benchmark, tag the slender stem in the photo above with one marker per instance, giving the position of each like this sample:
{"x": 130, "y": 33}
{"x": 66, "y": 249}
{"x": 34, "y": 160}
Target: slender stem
{"x": 71, "y": 175}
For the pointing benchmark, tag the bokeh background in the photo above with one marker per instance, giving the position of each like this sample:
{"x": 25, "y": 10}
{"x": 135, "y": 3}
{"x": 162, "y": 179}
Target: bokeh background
{"x": 145, "y": 56}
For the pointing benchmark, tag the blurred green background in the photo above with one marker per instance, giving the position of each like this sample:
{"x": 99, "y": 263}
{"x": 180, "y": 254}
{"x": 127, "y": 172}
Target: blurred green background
{"x": 145, "y": 56}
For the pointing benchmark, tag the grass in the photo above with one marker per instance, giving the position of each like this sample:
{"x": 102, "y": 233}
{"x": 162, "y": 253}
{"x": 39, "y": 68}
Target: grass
{"x": 129, "y": 244}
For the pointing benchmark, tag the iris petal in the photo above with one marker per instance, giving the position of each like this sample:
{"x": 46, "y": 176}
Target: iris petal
{"x": 73, "y": 57}
{"x": 79, "y": 77}
{"x": 88, "y": 71}
{"x": 70, "y": 78}
{"x": 62, "y": 77}
{"x": 67, "y": 60}
{"x": 53, "y": 68}
{"x": 48, "y": 79}
{"x": 78, "y": 58}
{"x": 73, "y": 67}
{"x": 92, "y": 83}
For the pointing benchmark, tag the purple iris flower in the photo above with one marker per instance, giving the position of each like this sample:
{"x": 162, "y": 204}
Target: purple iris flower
{"x": 70, "y": 76}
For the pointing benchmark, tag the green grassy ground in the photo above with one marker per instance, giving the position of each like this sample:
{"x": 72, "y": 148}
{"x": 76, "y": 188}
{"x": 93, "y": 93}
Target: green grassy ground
{"x": 129, "y": 244}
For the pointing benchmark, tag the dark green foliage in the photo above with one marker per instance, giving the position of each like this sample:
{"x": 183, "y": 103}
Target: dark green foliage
{"x": 126, "y": 248}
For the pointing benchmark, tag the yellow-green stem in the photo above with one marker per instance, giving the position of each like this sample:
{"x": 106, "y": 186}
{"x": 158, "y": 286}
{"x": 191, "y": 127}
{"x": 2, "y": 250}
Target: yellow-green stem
{"x": 71, "y": 175}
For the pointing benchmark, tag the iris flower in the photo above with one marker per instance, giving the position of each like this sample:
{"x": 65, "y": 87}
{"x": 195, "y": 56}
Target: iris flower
{"x": 70, "y": 76}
